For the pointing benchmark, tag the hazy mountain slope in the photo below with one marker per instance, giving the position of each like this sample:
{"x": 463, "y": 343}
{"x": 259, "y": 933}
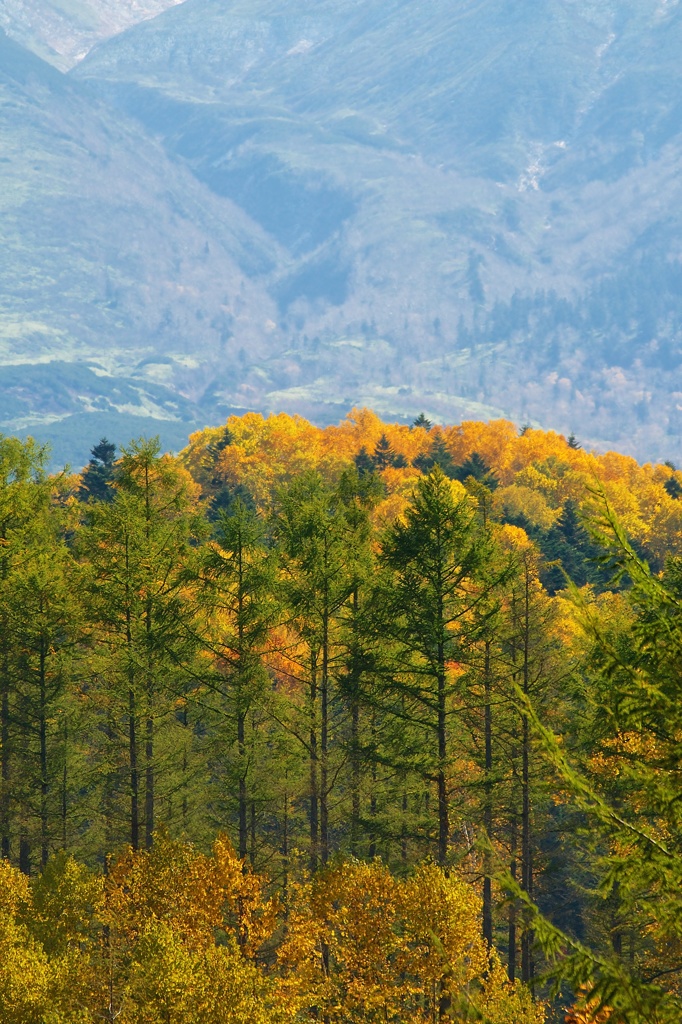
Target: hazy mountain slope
{"x": 62, "y": 31}
{"x": 119, "y": 270}
{"x": 467, "y": 207}
{"x": 456, "y": 79}
{"x": 481, "y": 198}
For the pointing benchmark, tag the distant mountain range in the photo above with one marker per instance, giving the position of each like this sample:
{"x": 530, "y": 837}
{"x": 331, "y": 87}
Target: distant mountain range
{"x": 63, "y": 31}
{"x": 470, "y": 209}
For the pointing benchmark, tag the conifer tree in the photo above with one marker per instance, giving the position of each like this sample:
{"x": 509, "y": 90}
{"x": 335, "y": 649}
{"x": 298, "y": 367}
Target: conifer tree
{"x": 476, "y": 467}
{"x": 434, "y": 557}
{"x": 364, "y": 463}
{"x": 438, "y": 455}
{"x": 570, "y": 552}
{"x": 43, "y": 613}
{"x": 237, "y": 576}
{"x": 139, "y": 605}
{"x": 312, "y": 528}
{"x": 25, "y": 497}
{"x": 99, "y": 473}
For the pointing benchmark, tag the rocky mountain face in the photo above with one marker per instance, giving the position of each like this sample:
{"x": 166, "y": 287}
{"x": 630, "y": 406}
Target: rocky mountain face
{"x": 470, "y": 209}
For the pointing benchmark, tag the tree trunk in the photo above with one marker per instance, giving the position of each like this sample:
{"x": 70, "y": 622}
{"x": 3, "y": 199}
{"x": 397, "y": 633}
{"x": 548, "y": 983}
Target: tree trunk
{"x": 314, "y": 794}
{"x": 324, "y": 743}
{"x": 132, "y": 721}
{"x": 44, "y": 782}
{"x": 488, "y": 805}
{"x": 149, "y": 784}
{"x": 526, "y": 824}
{"x": 355, "y": 775}
{"x": 355, "y": 741}
{"x": 373, "y": 794}
{"x": 151, "y": 696}
{"x": 24, "y": 854}
{"x": 443, "y": 811}
{"x": 64, "y": 799}
{"x": 511, "y": 969}
{"x": 285, "y": 848}
{"x": 241, "y": 748}
{"x": 5, "y": 825}
{"x": 134, "y": 778}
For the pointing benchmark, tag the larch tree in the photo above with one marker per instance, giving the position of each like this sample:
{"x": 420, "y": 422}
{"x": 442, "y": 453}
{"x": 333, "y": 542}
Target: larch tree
{"x": 26, "y": 499}
{"x": 433, "y": 560}
{"x": 237, "y": 576}
{"x": 141, "y": 607}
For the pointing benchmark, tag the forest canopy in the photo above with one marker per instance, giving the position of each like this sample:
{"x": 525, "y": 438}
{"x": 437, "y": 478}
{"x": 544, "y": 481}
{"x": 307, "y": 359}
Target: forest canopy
{"x": 373, "y": 722}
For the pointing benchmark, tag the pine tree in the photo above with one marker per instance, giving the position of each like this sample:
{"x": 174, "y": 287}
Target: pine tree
{"x": 311, "y": 528}
{"x": 43, "y": 614}
{"x": 25, "y": 498}
{"x": 384, "y": 455}
{"x": 364, "y": 463}
{"x": 673, "y": 488}
{"x": 438, "y": 455}
{"x": 633, "y": 802}
{"x": 476, "y": 467}
{"x": 570, "y": 552}
{"x": 98, "y": 475}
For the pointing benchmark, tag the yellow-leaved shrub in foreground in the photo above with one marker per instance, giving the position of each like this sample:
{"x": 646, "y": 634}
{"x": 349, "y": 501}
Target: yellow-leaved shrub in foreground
{"x": 362, "y": 945}
{"x": 172, "y": 936}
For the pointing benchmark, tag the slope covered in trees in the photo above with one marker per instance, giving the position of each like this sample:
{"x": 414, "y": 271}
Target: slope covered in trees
{"x": 364, "y": 723}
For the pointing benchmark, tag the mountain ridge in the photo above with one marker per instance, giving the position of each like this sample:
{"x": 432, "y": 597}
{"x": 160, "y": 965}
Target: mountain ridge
{"x": 62, "y": 33}
{"x": 469, "y": 209}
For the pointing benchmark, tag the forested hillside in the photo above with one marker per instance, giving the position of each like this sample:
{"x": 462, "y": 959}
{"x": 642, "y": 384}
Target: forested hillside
{"x": 366, "y": 723}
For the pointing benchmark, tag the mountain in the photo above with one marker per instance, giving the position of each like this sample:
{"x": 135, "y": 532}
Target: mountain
{"x": 62, "y": 31}
{"x": 118, "y": 267}
{"x": 466, "y": 208}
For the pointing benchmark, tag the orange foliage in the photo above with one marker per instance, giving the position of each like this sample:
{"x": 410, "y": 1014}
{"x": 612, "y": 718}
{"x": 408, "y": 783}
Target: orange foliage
{"x": 587, "y": 1013}
{"x": 191, "y": 893}
{"x": 537, "y": 471}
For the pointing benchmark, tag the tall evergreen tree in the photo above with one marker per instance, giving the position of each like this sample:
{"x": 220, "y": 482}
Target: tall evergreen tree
{"x": 237, "y": 576}
{"x": 43, "y": 613}
{"x": 25, "y": 497}
{"x": 98, "y": 476}
{"x": 433, "y": 559}
{"x": 569, "y": 552}
{"x": 136, "y": 547}
{"x": 438, "y": 455}
{"x": 476, "y": 467}
{"x": 318, "y": 579}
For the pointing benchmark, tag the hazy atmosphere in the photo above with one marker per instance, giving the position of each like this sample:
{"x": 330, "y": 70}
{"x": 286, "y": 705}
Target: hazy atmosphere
{"x": 467, "y": 209}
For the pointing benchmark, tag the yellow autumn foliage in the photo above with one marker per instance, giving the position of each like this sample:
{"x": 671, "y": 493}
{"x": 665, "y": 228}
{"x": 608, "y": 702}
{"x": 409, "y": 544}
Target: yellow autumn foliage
{"x": 173, "y": 936}
{"x": 364, "y": 946}
{"x": 24, "y": 975}
{"x": 171, "y": 983}
{"x": 537, "y": 471}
